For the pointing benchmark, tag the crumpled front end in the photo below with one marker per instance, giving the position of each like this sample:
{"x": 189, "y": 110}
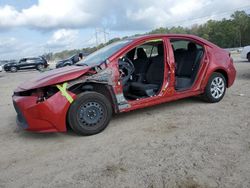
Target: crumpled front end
{"x": 40, "y": 114}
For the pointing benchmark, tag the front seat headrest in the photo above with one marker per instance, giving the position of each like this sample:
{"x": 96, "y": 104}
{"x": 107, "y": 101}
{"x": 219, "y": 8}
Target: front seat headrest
{"x": 141, "y": 54}
{"x": 192, "y": 47}
{"x": 160, "y": 49}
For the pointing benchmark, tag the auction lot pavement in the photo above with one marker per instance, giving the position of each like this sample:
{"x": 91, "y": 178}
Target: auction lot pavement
{"x": 187, "y": 143}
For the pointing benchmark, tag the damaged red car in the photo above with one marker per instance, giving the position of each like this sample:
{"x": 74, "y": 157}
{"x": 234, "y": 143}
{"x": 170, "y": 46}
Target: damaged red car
{"x": 126, "y": 75}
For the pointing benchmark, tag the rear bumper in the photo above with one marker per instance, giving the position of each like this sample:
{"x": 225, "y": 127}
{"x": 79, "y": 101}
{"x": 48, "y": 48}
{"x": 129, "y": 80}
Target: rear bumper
{"x": 231, "y": 74}
{"x": 47, "y": 116}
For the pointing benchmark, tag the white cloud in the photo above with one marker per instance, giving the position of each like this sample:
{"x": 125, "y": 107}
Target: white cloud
{"x": 6, "y": 44}
{"x": 67, "y": 20}
{"x": 47, "y": 14}
{"x": 119, "y": 15}
{"x": 12, "y": 48}
{"x": 62, "y": 39}
{"x": 66, "y": 38}
{"x": 186, "y": 8}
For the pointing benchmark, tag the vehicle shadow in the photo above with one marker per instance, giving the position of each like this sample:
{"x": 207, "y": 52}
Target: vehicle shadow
{"x": 168, "y": 105}
{"x": 118, "y": 117}
{"x": 245, "y": 76}
{"x": 241, "y": 61}
{"x": 38, "y": 136}
{"x": 29, "y": 70}
{"x": 20, "y": 71}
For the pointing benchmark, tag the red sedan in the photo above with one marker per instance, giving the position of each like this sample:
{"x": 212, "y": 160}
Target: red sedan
{"x": 130, "y": 74}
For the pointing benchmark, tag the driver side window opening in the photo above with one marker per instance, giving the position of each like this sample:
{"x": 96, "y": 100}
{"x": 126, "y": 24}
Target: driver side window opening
{"x": 188, "y": 56}
{"x": 146, "y": 74}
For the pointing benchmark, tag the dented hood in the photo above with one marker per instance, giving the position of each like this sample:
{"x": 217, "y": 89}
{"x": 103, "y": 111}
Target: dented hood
{"x": 53, "y": 77}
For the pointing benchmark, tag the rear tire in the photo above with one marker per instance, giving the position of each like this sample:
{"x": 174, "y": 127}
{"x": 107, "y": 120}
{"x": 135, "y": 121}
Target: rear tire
{"x": 90, "y": 113}
{"x": 215, "y": 89}
{"x": 40, "y": 67}
{"x": 13, "y": 69}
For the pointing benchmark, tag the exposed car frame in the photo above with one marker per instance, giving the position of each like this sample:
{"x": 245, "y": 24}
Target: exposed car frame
{"x": 80, "y": 94}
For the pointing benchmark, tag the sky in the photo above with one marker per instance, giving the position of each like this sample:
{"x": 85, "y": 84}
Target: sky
{"x": 34, "y": 27}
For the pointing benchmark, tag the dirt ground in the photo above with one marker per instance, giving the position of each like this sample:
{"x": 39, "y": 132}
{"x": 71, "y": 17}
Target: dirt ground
{"x": 187, "y": 143}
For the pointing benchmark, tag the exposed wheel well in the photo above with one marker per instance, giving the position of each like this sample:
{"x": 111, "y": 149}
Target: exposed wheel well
{"x": 224, "y": 73}
{"x": 104, "y": 89}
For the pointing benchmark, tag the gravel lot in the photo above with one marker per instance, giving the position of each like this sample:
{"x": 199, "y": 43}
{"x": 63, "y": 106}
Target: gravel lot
{"x": 187, "y": 143}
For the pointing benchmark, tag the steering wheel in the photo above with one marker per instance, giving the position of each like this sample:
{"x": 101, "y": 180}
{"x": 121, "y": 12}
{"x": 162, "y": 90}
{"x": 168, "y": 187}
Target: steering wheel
{"x": 126, "y": 69}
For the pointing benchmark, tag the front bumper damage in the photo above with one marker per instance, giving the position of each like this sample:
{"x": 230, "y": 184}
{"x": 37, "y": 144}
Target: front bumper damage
{"x": 47, "y": 116}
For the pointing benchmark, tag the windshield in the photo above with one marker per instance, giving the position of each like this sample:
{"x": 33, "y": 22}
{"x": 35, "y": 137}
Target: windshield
{"x": 102, "y": 54}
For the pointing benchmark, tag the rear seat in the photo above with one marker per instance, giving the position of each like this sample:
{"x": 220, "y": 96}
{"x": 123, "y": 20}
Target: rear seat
{"x": 187, "y": 65}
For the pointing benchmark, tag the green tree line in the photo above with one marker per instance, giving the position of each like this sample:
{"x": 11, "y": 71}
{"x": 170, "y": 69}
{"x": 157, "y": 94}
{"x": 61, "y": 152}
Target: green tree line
{"x": 226, "y": 33}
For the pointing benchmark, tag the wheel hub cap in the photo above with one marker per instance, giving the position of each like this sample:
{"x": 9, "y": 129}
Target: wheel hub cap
{"x": 217, "y": 87}
{"x": 90, "y": 113}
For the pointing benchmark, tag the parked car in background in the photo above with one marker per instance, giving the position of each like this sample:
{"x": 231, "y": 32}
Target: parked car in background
{"x": 38, "y": 63}
{"x": 126, "y": 75}
{"x": 70, "y": 61}
{"x": 245, "y": 53}
{"x": 1, "y": 69}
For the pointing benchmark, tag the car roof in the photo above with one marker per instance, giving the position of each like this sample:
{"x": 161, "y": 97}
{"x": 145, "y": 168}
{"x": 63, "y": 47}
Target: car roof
{"x": 184, "y": 36}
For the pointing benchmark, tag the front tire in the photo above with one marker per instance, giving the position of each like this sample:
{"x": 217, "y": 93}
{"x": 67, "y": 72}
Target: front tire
{"x": 215, "y": 89}
{"x": 90, "y": 113}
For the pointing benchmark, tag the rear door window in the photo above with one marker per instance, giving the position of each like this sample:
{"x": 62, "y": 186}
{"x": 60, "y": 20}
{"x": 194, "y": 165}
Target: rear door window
{"x": 183, "y": 44}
